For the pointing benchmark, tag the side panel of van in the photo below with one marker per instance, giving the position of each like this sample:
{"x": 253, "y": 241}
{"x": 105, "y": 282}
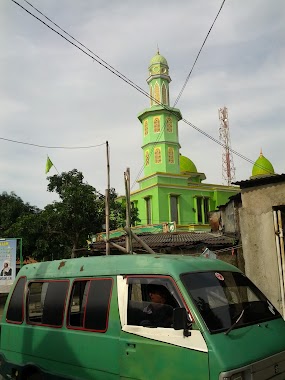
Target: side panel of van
{"x": 75, "y": 344}
{"x": 157, "y": 352}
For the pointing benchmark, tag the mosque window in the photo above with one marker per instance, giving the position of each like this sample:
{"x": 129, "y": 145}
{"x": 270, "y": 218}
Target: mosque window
{"x": 156, "y": 124}
{"x": 202, "y": 210}
{"x": 169, "y": 125}
{"x": 151, "y": 96}
{"x": 164, "y": 94}
{"x": 174, "y": 208}
{"x": 157, "y": 93}
{"x": 145, "y": 127}
{"x": 147, "y": 158}
{"x": 171, "y": 155}
{"x": 148, "y": 210}
{"x": 157, "y": 155}
{"x": 206, "y": 210}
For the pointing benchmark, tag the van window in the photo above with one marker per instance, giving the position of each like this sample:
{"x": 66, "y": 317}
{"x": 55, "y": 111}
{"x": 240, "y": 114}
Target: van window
{"x": 15, "y": 312}
{"x": 228, "y": 300}
{"x": 89, "y": 305}
{"x": 151, "y": 301}
{"x": 46, "y": 302}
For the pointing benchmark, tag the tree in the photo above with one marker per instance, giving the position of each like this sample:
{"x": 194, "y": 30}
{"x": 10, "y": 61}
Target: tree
{"x": 11, "y": 208}
{"x": 80, "y": 211}
{"x": 64, "y": 226}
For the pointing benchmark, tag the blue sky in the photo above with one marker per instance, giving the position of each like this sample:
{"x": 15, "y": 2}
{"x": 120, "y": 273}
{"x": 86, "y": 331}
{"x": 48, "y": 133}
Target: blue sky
{"x": 52, "y": 94}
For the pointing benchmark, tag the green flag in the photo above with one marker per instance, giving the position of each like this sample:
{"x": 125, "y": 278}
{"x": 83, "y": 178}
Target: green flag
{"x": 49, "y": 164}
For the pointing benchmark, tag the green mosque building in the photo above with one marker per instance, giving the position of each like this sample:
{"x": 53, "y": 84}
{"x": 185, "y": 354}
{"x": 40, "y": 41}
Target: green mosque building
{"x": 172, "y": 189}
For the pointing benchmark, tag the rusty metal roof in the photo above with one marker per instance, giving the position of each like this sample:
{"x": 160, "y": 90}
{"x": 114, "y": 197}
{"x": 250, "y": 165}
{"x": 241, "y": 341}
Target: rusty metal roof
{"x": 260, "y": 181}
{"x": 176, "y": 239}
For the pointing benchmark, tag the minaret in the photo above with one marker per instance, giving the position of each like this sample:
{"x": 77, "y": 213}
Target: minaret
{"x": 160, "y": 123}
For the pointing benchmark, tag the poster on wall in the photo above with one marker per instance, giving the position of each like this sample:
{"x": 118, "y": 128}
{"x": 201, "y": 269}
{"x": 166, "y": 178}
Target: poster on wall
{"x": 8, "y": 249}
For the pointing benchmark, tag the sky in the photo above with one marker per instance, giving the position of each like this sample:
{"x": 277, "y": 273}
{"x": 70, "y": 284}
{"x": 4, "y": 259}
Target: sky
{"x": 54, "y": 95}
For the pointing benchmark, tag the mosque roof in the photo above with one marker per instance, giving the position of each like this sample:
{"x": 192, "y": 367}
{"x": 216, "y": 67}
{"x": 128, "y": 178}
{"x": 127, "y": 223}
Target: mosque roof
{"x": 158, "y": 59}
{"x": 186, "y": 165}
{"x": 262, "y": 167}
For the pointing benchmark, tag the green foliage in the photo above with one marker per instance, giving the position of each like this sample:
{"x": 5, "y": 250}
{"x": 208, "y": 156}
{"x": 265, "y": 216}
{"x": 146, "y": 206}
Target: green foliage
{"x": 80, "y": 211}
{"x": 64, "y": 226}
{"x": 11, "y": 208}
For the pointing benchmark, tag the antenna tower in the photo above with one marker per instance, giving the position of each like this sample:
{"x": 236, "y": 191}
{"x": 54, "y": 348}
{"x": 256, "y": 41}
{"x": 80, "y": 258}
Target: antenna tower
{"x": 228, "y": 169}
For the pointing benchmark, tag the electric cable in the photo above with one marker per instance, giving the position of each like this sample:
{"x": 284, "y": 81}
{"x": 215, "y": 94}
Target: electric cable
{"x": 188, "y": 76}
{"x": 52, "y": 147}
{"x": 128, "y": 81}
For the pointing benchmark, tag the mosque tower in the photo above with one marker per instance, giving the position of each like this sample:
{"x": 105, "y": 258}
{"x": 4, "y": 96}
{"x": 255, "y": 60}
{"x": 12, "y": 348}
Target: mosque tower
{"x": 160, "y": 123}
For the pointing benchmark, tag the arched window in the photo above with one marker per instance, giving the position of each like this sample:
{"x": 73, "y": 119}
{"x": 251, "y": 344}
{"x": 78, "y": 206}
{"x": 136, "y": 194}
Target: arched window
{"x": 156, "y": 93}
{"x": 169, "y": 125}
{"x": 147, "y": 158}
{"x": 171, "y": 155}
{"x": 157, "y": 155}
{"x": 164, "y": 94}
{"x": 156, "y": 124}
{"x": 145, "y": 127}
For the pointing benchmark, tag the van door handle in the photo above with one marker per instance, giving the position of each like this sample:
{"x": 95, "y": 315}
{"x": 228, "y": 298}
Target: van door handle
{"x": 131, "y": 347}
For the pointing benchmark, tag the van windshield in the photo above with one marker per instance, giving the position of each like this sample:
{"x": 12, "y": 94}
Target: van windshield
{"x": 228, "y": 300}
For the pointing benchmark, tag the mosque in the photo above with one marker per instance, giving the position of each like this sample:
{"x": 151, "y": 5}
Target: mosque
{"x": 172, "y": 189}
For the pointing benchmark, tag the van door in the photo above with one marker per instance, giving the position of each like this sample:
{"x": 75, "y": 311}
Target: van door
{"x": 150, "y": 347}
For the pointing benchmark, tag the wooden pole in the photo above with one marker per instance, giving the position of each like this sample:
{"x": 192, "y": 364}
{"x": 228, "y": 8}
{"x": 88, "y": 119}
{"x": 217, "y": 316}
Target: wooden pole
{"x": 107, "y": 202}
{"x": 122, "y": 249}
{"x": 139, "y": 240}
{"x": 129, "y": 246}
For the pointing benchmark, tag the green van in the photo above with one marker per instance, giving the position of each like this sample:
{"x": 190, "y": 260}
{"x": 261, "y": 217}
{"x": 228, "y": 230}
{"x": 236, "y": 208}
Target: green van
{"x": 139, "y": 317}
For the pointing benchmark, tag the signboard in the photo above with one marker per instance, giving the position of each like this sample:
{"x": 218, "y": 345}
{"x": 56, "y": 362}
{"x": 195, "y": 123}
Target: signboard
{"x": 8, "y": 249}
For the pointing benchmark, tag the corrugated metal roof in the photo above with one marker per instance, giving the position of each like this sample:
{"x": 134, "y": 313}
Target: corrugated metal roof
{"x": 261, "y": 181}
{"x": 177, "y": 239}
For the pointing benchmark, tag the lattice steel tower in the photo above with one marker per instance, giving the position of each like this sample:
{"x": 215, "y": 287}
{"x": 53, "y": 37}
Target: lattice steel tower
{"x": 228, "y": 169}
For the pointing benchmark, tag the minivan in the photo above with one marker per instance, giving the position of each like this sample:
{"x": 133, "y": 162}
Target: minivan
{"x": 139, "y": 317}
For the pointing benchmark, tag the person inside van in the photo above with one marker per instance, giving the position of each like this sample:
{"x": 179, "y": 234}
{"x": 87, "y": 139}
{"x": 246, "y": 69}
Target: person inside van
{"x": 159, "y": 312}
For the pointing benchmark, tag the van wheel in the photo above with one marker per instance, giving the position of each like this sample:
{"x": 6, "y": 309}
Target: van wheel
{"x": 32, "y": 375}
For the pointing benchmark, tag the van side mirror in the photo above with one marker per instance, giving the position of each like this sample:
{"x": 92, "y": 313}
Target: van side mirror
{"x": 180, "y": 320}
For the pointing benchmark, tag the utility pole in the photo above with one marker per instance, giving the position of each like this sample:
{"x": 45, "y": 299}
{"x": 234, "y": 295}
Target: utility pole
{"x": 107, "y": 201}
{"x": 228, "y": 169}
{"x": 129, "y": 246}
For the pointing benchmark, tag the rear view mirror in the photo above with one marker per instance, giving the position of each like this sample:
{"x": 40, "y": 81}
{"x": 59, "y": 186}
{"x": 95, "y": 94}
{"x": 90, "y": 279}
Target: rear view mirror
{"x": 180, "y": 320}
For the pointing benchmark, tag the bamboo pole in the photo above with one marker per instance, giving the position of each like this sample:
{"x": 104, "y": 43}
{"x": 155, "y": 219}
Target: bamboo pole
{"x": 119, "y": 247}
{"x": 107, "y": 202}
{"x": 281, "y": 280}
{"x": 139, "y": 240}
{"x": 281, "y": 237}
{"x": 129, "y": 245}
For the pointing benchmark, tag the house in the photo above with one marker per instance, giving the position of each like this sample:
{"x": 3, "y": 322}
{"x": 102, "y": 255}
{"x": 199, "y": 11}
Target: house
{"x": 257, "y": 219}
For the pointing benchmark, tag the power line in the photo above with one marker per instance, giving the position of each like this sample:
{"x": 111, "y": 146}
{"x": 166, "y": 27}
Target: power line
{"x": 188, "y": 77}
{"x": 52, "y": 147}
{"x": 96, "y": 58}
{"x": 81, "y": 44}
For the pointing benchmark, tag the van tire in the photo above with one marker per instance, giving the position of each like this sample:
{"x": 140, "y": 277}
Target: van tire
{"x": 32, "y": 374}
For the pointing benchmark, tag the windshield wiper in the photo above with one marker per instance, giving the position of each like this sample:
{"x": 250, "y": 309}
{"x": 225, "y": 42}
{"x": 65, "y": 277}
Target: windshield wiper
{"x": 236, "y": 322}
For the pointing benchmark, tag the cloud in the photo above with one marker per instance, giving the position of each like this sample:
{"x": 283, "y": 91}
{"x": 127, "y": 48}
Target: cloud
{"x": 52, "y": 94}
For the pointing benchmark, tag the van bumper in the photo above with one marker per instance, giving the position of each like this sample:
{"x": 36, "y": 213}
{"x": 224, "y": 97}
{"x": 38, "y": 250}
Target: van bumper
{"x": 272, "y": 367}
